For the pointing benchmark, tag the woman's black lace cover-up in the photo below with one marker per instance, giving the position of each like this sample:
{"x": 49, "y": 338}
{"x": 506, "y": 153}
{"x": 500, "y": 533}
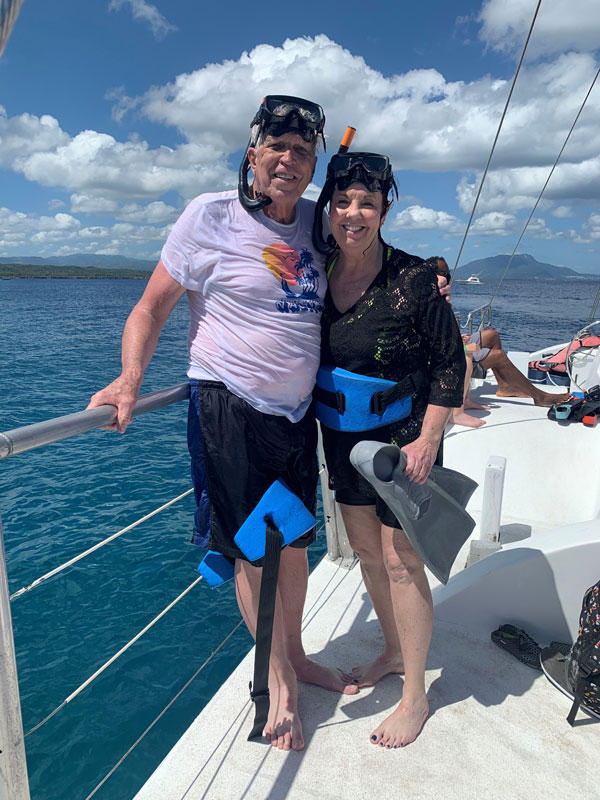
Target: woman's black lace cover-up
{"x": 400, "y": 325}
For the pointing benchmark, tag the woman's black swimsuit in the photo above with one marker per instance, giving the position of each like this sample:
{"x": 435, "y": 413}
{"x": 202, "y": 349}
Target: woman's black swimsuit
{"x": 399, "y": 326}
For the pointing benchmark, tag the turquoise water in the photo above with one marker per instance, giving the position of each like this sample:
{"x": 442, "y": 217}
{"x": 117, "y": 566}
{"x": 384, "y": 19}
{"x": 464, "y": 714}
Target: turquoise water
{"x": 60, "y": 343}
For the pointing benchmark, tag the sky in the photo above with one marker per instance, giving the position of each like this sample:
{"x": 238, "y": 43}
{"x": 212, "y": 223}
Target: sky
{"x": 114, "y": 114}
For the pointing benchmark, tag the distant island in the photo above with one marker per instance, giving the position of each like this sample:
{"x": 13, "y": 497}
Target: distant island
{"x": 8, "y": 271}
{"x": 82, "y": 260}
{"x": 88, "y": 265}
{"x": 523, "y": 267}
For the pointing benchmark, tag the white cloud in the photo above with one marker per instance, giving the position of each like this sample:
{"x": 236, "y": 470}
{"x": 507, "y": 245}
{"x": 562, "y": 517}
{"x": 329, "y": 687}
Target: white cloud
{"x": 495, "y": 223}
{"x": 96, "y": 164}
{"x": 22, "y": 136}
{"x": 152, "y": 212}
{"x": 562, "y": 212}
{"x": 146, "y": 12}
{"x": 423, "y": 121}
{"x": 63, "y": 234}
{"x": 417, "y": 218}
{"x": 122, "y": 103}
{"x": 516, "y": 189}
{"x": 312, "y": 191}
{"x": 90, "y": 204}
{"x": 560, "y": 25}
{"x": 590, "y": 231}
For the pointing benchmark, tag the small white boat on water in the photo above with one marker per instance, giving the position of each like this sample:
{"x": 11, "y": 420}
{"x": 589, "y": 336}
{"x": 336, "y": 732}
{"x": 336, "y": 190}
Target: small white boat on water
{"x": 472, "y": 279}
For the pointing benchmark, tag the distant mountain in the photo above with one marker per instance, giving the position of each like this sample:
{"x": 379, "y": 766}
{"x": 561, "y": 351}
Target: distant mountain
{"x": 82, "y": 260}
{"x": 523, "y": 267}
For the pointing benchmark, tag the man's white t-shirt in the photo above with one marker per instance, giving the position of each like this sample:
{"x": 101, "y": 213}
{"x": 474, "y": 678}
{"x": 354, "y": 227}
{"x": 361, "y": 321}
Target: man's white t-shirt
{"x": 255, "y": 291}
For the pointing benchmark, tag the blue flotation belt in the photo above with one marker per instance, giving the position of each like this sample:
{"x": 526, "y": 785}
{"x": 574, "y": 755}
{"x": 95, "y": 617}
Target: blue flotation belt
{"x": 278, "y": 519}
{"x": 346, "y": 401}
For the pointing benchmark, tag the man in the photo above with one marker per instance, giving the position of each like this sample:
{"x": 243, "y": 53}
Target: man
{"x": 255, "y": 289}
{"x": 483, "y": 351}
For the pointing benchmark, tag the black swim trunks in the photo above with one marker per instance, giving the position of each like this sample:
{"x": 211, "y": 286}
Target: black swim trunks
{"x": 237, "y": 453}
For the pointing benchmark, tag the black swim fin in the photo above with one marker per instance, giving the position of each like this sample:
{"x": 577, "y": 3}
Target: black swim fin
{"x": 432, "y": 514}
{"x": 458, "y": 486}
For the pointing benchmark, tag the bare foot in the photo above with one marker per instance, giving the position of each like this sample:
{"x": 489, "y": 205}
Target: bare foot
{"x": 373, "y": 671}
{"x": 545, "y": 399}
{"x": 460, "y": 418}
{"x": 403, "y": 725}
{"x": 283, "y": 728}
{"x": 473, "y": 405}
{"x": 330, "y": 678}
{"x": 508, "y": 392}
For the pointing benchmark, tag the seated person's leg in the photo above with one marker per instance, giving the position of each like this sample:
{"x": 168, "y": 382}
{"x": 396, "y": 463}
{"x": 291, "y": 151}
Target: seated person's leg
{"x": 512, "y": 382}
{"x": 458, "y": 415}
{"x": 490, "y": 338}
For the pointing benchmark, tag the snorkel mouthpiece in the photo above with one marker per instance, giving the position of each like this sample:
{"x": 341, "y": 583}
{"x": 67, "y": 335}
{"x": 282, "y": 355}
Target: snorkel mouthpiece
{"x": 277, "y": 115}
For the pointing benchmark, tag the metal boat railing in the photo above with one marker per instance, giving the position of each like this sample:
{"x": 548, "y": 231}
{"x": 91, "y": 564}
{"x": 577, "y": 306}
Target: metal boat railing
{"x": 485, "y": 318}
{"x": 14, "y": 783}
{"x": 13, "y": 766}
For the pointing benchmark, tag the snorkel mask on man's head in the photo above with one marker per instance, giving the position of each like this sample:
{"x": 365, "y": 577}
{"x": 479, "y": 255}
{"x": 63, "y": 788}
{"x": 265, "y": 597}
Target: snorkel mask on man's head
{"x": 279, "y": 114}
{"x": 373, "y": 170}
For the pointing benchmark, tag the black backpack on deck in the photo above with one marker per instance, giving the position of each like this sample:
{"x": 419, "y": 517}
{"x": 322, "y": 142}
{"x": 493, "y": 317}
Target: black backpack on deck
{"x": 583, "y": 672}
{"x": 577, "y": 673}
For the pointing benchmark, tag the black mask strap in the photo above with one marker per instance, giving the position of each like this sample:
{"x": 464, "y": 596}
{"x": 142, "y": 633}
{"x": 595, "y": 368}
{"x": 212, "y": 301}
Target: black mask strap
{"x": 248, "y": 202}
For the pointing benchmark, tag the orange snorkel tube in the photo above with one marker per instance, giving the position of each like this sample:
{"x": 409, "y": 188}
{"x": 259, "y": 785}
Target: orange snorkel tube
{"x": 347, "y": 139}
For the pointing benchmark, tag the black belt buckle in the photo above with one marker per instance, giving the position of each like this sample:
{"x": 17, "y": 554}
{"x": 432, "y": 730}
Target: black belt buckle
{"x": 254, "y": 695}
{"x": 340, "y": 399}
{"x": 377, "y": 406}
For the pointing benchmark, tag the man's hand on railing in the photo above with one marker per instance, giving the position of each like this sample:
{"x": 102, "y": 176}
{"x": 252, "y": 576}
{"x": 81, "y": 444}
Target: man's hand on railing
{"x": 122, "y": 393}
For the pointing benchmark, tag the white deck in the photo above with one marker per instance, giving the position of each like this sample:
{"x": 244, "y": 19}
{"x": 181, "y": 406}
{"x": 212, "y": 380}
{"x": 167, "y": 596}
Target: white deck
{"x": 498, "y": 728}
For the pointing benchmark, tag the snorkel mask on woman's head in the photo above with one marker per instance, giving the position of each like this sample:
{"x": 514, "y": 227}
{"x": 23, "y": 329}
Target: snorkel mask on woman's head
{"x": 373, "y": 170}
{"x": 279, "y": 114}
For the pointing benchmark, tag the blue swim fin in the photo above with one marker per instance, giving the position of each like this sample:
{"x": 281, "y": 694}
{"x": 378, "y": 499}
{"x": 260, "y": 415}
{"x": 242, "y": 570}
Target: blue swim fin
{"x": 432, "y": 514}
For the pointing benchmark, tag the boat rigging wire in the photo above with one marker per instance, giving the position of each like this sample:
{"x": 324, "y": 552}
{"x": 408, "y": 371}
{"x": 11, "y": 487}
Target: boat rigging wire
{"x": 592, "y": 313}
{"x": 512, "y": 255}
{"x": 9, "y": 11}
{"x": 508, "y": 99}
{"x": 85, "y": 553}
{"x": 118, "y": 654}
{"x": 165, "y": 709}
{"x": 114, "y": 658}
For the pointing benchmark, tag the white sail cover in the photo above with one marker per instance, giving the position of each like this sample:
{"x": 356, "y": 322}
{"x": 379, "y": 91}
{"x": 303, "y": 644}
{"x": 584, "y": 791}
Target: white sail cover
{"x": 9, "y": 11}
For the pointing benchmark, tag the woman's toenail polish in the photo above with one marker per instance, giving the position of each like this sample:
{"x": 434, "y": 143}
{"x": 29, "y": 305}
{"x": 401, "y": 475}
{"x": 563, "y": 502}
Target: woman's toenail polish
{"x": 388, "y": 746}
{"x": 373, "y": 738}
{"x": 395, "y": 746}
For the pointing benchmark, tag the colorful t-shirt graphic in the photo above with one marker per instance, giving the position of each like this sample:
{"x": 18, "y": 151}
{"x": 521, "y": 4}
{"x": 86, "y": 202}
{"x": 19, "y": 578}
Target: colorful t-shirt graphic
{"x": 298, "y": 277}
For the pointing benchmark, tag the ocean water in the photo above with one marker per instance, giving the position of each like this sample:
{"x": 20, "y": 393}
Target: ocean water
{"x": 61, "y": 342}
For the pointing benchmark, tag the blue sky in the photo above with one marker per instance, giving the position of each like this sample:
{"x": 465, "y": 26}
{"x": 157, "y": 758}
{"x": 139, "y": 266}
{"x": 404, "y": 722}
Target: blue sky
{"x": 115, "y": 113}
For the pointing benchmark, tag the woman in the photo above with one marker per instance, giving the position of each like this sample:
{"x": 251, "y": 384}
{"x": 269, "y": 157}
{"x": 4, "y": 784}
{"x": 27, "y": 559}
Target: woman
{"x": 384, "y": 317}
